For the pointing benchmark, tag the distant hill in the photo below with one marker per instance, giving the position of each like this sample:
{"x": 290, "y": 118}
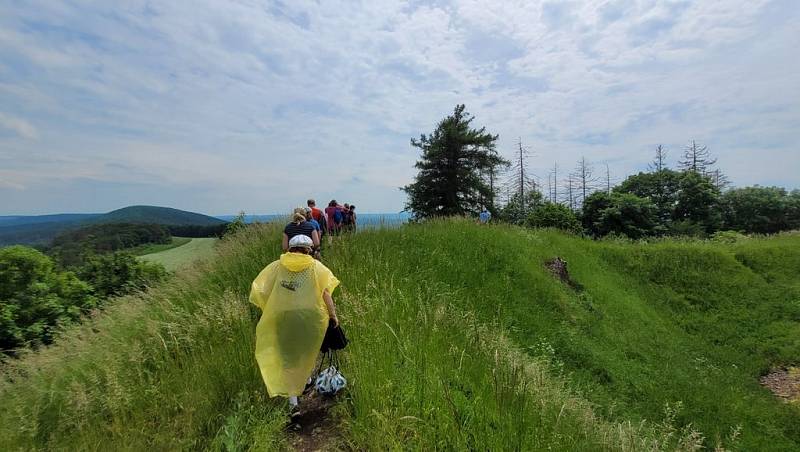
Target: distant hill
{"x": 41, "y": 229}
{"x": 38, "y": 219}
{"x": 157, "y": 215}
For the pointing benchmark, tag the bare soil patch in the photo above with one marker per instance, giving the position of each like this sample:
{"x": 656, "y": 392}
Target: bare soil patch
{"x": 558, "y": 267}
{"x": 784, "y": 383}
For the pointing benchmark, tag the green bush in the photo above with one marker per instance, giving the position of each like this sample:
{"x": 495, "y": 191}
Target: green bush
{"x": 687, "y": 228}
{"x": 36, "y": 299}
{"x": 620, "y": 213}
{"x": 697, "y": 202}
{"x": 727, "y": 237}
{"x": 119, "y": 273}
{"x": 552, "y": 215}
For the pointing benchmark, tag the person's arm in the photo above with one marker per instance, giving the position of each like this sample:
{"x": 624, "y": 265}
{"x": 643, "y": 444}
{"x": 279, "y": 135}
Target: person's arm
{"x": 315, "y": 238}
{"x": 285, "y": 243}
{"x": 326, "y": 296}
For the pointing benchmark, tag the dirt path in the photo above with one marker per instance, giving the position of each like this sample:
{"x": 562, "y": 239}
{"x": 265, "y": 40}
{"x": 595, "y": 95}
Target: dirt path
{"x": 314, "y": 429}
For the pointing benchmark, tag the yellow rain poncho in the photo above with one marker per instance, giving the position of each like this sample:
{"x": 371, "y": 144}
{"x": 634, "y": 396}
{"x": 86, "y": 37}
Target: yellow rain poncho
{"x": 293, "y": 321}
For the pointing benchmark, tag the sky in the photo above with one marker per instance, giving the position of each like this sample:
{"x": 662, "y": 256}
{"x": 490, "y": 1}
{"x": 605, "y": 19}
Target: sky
{"x": 223, "y": 106}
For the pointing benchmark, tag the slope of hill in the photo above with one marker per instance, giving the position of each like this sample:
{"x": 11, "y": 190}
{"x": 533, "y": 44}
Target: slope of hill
{"x": 460, "y": 339}
{"x": 41, "y": 229}
{"x": 158, "y": 215}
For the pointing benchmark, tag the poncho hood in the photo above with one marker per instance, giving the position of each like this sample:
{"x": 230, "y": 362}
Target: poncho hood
{"x": 295, "y": 262}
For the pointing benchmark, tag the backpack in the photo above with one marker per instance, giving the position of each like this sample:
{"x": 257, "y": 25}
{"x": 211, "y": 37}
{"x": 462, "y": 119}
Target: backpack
{"x": 337, "y": 216}
{"x": 323, "y": 224}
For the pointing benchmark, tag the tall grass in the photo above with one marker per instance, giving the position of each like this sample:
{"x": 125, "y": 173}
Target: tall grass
{"x": 655, "y": 325}
{"x": 426, "y": 374}
{"x": 172, "y": 368}
{"x": 460, "y": 340}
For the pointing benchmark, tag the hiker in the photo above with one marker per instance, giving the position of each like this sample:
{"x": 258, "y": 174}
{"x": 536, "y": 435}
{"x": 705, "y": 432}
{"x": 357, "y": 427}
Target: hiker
{"x": 315, "y": 212}
{"x": 298, "y": 226}
{"x": 310, "y": 218}
{"x": 334, "y": 214}
{"x": 294, "y": 294}
{"x": 346, "y": 218}
{"x": 484, "y": 216}
{"x": 353, "y": 219}
{"x": 318, "y": 215}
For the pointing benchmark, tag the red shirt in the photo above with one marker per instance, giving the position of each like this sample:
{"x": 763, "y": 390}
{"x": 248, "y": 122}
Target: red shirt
{"x": 316, "y": 213}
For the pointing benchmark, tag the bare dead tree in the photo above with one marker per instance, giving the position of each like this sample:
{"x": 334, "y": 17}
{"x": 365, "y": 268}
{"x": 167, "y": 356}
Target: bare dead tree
{"x": 521, "y": 169}
{"x": 554, "y": 194}
{"x": 659, "y": 162}
{"x": 584, "y": 173}
{"x": 521, "y": 180}
{"x": 570, "y": 187}
{"x": 719, "y": 180}
{"x": 696, "y": 158}
{"x": 608, "y": 180}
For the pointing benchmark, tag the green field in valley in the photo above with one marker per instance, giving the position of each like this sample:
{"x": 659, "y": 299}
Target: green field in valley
{"x": 461, "y": 339}
{"x": 152, "y": 248}
{"x": 188, "y": 250}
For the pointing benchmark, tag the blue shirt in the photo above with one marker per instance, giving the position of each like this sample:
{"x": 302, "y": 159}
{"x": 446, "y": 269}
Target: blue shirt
{"x": 315, "y": 223}
{"x": 485, "y": 215}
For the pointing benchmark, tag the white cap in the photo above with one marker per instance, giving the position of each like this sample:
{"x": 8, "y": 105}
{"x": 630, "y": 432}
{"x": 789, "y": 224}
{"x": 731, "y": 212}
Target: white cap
{"x": 301, "y": 241}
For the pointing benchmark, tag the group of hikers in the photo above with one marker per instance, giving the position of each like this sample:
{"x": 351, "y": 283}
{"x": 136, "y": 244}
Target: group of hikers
{"x": 316, "y": 223}
{"x": 295, "y": 295}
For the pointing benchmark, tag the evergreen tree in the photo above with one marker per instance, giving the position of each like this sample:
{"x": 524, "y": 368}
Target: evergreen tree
{"x": 450, "y": 179}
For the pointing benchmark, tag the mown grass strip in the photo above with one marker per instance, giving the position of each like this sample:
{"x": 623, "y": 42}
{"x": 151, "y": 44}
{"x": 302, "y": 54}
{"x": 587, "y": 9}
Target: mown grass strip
{"x": 176, "y": 257}
{"x": 152, "y": 248}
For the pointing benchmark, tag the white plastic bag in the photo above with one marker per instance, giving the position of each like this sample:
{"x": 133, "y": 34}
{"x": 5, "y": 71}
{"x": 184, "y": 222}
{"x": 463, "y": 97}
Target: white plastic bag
{"x": 330, "y": 381}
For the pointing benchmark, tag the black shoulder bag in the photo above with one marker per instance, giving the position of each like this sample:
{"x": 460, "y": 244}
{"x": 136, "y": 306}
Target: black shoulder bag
{"x": 334, "y": 338}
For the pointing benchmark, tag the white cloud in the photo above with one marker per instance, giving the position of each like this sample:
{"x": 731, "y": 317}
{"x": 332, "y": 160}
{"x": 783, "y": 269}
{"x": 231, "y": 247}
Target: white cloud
{"x": 238, "y": 95}
{"x": 19, "y": 126}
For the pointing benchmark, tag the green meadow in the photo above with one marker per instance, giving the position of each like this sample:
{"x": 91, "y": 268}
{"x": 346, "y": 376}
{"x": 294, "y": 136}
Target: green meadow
{"x": 181, "y": 252}
{"x": 460, "y": 339}
{"x": 152, "y": 248}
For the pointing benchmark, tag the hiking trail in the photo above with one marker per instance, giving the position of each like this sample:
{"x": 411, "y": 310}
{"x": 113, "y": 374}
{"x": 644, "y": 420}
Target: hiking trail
{"x": 314, "y": 429}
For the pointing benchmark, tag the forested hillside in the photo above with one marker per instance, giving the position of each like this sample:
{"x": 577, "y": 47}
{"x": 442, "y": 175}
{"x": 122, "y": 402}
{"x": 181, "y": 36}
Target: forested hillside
{"x": 42, "y": 229}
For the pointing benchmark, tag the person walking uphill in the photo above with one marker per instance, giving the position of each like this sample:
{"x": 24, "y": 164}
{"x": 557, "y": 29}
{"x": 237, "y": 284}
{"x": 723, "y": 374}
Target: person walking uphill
{"x": 294, "y": 294}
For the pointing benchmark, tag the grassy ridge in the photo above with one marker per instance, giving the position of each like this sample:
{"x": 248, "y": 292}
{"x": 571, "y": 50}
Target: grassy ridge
{"x": 460, "y": 339}
{"x": 658, "y": 324}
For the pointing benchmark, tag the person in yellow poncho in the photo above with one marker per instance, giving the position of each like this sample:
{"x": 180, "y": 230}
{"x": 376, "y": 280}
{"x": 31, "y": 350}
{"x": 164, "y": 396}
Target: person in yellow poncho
{"x": 294, "y": 294}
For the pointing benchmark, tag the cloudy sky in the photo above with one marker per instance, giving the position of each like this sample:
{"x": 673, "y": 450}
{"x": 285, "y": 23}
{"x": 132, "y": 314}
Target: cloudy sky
{"x": 221, "y": 106}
